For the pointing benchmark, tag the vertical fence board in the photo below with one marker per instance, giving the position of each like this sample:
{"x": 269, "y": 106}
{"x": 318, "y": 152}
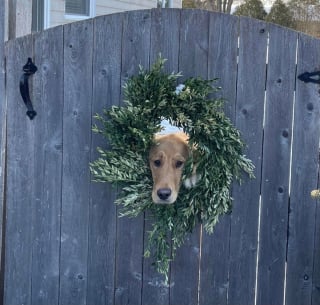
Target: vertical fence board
{"x": 103, "y": 216}
{"x": 165, "y": 37}
{"x": 223, "y": 52}
{"x": 249, "y": 119}
{"x": 135, "y": 51}
{"x": 164, "y": 41}
{"x": 48, "y": 103}
{"x": 76, "y": 156}
{"x": 214, "y": 268}
{"x": 3, "y": 111}
{"x": 276, "y": 159}
{"x": 315, "y": 298}
{"x": 305, "y": 158}
{"x": 20, "y": 181}
{"x": 193, "y": 61}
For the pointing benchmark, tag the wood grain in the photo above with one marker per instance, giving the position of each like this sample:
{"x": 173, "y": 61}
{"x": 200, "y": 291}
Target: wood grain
{"x": 63, "y": 241}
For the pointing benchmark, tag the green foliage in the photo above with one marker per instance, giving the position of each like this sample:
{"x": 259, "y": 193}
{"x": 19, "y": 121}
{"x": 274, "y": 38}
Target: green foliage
{"x": 150, "y": 97}
{"x": 212, "y": 5}
{"x": 189, "y": 4}
{"x": 251, "y": 8}
{"x": 281, "y": 14}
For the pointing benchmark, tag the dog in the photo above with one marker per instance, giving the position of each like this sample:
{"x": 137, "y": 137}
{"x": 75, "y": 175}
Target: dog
{"x": 167, "y": 158}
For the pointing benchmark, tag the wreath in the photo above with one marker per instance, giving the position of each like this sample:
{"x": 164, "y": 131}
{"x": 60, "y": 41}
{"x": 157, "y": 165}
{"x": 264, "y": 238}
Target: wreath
{"x": 150, "y": 97}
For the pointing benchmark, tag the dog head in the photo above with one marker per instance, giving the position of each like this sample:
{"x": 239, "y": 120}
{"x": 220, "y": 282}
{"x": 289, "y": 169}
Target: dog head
{"x": 167, "y": 159}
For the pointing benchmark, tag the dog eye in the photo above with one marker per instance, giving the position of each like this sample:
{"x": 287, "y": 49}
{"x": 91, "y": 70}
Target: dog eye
{"x": 179, "y": 164}
{"x": 157, "y": 163}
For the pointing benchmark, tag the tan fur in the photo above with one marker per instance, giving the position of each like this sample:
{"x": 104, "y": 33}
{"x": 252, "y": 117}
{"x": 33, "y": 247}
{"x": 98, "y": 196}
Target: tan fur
{"x": 166, "y": 159}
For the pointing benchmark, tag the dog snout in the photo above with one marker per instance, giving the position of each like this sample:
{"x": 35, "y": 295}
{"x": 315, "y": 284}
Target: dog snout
{"x": 164, "y": 193}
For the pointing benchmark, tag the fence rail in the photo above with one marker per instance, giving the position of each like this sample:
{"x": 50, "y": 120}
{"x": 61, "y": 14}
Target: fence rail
{"x": 63, "y": 242}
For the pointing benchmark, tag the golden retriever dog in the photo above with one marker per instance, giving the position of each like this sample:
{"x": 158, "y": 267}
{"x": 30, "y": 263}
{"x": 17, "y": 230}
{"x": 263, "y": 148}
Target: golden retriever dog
{"x": 167, "y": 159}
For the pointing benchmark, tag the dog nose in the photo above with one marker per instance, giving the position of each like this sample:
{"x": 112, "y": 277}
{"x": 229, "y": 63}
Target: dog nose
{"x": 164, "y": 194}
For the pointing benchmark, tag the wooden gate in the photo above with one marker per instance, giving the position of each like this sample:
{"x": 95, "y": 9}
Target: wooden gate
{"x": 62, "y": 240}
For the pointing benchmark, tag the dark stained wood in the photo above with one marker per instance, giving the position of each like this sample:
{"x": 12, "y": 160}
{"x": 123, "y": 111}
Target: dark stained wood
{"x": 64, "y": 242}
{"x": 249, "y": 120}
{"x": 78, "y": 42}
{"x": 304, "y": 177}
{"x": 103, "y": 216}
{"x": 165, "y": 41}
{"x": 165, "y": 36}
{"x": 193, "y": 61}
{"x": 20, "y": 180}
{"x": 129, "y": 252}
{"x": 281, "y": 78}
{"x": 47, "y": 139}
{"x": 222, "y": 59}
{"x": 3, "y": 111}
{"x": 222, "y": 64}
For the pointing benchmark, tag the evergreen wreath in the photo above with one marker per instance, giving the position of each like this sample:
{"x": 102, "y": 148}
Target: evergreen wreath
{"x": 150, "y": 97}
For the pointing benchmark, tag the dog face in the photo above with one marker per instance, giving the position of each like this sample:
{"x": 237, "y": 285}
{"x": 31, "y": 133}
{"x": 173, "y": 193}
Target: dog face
{"x": 166, "y": 159}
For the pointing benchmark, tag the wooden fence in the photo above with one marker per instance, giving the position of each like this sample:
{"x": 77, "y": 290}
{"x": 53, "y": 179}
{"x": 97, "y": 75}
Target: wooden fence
{"x": 62, "y": 240}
